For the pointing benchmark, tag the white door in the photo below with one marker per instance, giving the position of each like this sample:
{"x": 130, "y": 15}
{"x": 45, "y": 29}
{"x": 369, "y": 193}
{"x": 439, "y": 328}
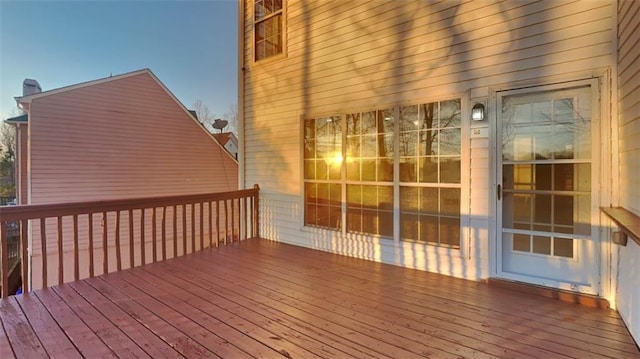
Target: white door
{"x": 547, "y": 189}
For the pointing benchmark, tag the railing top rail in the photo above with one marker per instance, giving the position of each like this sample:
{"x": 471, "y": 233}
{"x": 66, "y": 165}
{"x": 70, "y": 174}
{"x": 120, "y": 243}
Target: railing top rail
{"x": 22, "y": 212}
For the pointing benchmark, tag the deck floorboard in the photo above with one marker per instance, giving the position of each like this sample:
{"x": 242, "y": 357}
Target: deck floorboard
{"x": 263, "y": 299}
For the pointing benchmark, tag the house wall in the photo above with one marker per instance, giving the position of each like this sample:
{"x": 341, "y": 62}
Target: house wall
{"x": 628, "y": 295}
{"x": 125, "y": 138}
{"x": 356, "y": 55}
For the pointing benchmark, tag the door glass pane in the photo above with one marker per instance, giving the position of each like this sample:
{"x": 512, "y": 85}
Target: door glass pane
{"x": 563, "y": 247}
{"x": 541, "y": 245}
{"x": 521, "y": 242}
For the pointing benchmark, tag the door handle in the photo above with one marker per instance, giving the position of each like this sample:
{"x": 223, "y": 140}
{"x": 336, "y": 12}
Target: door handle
{"x": 499, "y": 191}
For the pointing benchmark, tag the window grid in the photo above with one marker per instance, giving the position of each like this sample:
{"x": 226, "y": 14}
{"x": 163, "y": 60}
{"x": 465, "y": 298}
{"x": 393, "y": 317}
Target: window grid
{"x": 323, "y": 172}
{"x": 349, "y": 172}
{"x": 268, "y": 28}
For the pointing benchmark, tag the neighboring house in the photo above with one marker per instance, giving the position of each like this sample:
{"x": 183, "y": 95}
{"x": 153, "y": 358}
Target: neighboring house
{"x": 124, "y": 136}
{"x": 229, "y": 141}
{"x": 476, "y": 139}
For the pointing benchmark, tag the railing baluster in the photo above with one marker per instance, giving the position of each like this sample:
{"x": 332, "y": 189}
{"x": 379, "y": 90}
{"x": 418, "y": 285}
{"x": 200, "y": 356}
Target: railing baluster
{"x": 105, "y": 245}
{"x": 132, "y": 244}
{"x": 226, "y": 222}
{"x": 118, "y": 247}
{"x": 210, "y": 205}
{"x": 164, "y": 233}
{"x": 201, "y": 226}
{"x": 252, "y": 205}
{"x": 233, "y": 220}
{"x": 193, "y": 227}
{"x": 143, "y": 248}
{"x": 217, "y": 223}
{"x": 76, "y": 252}
{"x": 24, "y": 255}
{"x": 154, "y": 238}
{"x": 184, "y": 229}
{"x": 175, "y": 231}
{"x": 60, "y": 254}
{"x": 246, "y": 223}
{"x": 91, "y": 269}
{"x": 4, "y": 259}
{"x": 43, "y": 250}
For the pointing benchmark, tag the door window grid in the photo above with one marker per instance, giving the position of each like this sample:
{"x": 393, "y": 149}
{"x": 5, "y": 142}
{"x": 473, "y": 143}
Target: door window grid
{"x": 546, "y": 173}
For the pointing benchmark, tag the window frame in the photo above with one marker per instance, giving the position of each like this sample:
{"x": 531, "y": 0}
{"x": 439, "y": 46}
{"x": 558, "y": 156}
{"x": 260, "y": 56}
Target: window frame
{"x": 283, "y": 37}
{"x": 396, "y": 184}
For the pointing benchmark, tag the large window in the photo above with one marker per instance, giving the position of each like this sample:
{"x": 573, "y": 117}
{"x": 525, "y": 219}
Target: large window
{"x": 323, "y": 172}
{"x": 268, "y": 28}
{"x": 369, "y": 167}
{"x": 429, "y": 154}
{"x": 349, "y": 172}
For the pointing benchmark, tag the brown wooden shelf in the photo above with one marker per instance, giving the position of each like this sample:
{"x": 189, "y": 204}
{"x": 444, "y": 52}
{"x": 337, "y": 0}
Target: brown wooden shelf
{"x": 628, "y": 221}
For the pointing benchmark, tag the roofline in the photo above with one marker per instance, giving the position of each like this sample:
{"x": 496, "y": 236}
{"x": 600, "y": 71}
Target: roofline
{"x": 29, "y": 98}
{"x": 18, "y": 119}
{"x": 186, "y": 110}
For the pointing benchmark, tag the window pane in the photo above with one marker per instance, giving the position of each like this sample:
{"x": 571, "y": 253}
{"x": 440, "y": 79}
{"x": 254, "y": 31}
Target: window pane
{"x": 368, "y": 170}
{"x": 409, "y": 226}
{"x": 309, "y": 169}
{"x": 354, "y": 220}
{"x": 385, "y": 198}
{"x": 353, "y": 169}
{"x": 354, "y": 195}
{"x": 369, "y": 221}
{"x": 450, "y": 114}
{"x": 408, "y": 141}
{"x": 353, "y": 146}
{"x": 450, "y": 201}
{"x": 385, "y": 170}
{"x": 449, "y": 142}
{"x": 408, "y": 171}
{"x": 428, "y": 143}
{"x": 409, "y": 118}
{"x": 450, "y": 231}
{"x": 541, "y": 245}
{"x": 310, "y": 194}
{"x": 385, "y": 223}
{"x": 409, "y": 199}
{"x": 370, "y": 196}
{"x": 428, "y": 169}
{"x": 521, "y": 242}
{"x": 450, "y": 170}
{"x": 369, "y": 146}
{"x": 310, "y": 214}
{"x": 323, "y": 218}
{"x": 429, "y": 200}
{"x": 353, "y": 124}
{"x": 563, "y": 247}
{"x": 429, "y": 229}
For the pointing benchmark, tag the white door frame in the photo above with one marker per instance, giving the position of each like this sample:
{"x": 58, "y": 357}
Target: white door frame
{"x": 600, "y": 129}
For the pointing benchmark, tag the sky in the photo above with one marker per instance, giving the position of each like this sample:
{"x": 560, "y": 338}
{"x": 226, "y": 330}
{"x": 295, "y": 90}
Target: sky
{"x": 191, "y": 46}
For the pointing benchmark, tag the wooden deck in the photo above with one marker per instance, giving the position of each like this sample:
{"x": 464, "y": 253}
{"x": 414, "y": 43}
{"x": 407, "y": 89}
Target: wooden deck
{"x": 264, "y": 299}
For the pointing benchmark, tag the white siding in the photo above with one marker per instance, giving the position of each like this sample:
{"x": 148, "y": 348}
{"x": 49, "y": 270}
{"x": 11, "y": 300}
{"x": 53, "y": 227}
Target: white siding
{"x": 354, "y": 55}
{"x": 628, "y": 270}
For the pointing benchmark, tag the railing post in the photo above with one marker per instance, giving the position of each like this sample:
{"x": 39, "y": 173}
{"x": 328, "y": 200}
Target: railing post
{"x": 4, "y": 259}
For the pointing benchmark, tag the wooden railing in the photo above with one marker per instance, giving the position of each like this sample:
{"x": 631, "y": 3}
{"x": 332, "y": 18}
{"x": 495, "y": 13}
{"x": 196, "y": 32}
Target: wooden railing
{"x": 144, "y": 230}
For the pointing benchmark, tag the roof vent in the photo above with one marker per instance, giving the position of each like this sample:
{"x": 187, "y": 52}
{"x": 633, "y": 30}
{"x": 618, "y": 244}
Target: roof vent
{"x": 30, "y": 86}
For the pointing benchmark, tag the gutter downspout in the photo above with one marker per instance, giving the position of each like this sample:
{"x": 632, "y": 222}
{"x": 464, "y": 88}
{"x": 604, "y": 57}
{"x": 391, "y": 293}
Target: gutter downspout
{"x": 240, "y": 119}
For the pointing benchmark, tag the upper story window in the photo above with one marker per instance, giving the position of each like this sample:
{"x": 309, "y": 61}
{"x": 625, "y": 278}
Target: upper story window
{"x": 267, "y": 27}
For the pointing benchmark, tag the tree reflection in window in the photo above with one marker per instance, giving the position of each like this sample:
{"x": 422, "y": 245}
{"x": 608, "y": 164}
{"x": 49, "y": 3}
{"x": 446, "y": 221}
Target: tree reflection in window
{"x": 429, "y": 153}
